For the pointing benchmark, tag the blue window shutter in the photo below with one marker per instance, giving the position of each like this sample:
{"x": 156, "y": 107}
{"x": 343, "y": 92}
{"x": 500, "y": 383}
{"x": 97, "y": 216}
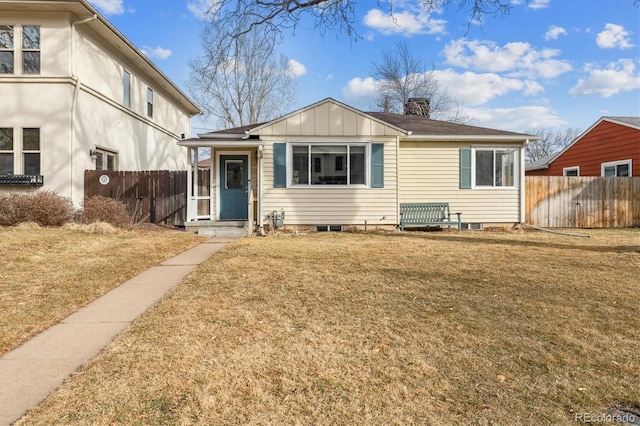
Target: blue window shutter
{"x": 279, "y": 165}
{"x": 377, "y": 165}
{"x": 465, "y": 168}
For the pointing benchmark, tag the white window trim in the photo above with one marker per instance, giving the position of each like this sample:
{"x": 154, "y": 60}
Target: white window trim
{"x": 568, "y": 169}
{"x": 23, "y": 49}
{"x": 617, "y": 163}
{"x": 367, "y": 165}
{"x": 516, "y": 151}
{"x": 15, "y": 29}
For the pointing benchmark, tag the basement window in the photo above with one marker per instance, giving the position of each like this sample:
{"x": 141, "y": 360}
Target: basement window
{"x": 328, "y": 228}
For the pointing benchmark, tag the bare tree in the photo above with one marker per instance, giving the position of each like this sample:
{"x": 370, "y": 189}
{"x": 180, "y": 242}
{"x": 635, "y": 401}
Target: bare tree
{"x": 239, "y": 17}
{"x": 403, "y": 81}
{"x": 550, "y": 142}
{"x": 246, "y": 84}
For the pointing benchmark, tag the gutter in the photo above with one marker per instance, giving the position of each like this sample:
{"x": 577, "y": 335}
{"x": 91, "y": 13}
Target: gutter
{"x": 470, "y": 138}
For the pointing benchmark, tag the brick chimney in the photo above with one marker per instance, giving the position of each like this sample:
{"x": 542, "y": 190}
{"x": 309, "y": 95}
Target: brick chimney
{"x": 418, "y": 106}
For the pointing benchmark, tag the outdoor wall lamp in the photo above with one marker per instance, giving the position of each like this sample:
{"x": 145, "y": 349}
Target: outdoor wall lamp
{"x": 93, "y": 153}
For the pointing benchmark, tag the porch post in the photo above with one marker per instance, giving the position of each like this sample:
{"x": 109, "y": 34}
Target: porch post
{"x": 260, "y": 189}
{"x": 190, "y": 215}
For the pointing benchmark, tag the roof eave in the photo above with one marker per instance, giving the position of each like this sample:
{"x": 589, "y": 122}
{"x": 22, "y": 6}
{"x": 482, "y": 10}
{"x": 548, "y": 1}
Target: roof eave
{"x": 472, "y": 138}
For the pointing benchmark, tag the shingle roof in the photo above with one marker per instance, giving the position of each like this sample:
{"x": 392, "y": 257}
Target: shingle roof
{"x": 423, "y": 126}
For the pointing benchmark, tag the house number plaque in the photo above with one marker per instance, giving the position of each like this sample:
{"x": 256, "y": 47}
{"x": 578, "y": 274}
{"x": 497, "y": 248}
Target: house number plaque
{"x": 104, "y": 179}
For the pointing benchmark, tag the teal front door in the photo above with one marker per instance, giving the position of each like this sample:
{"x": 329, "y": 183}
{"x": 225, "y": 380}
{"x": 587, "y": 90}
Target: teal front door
{"x": 234, "y": 188}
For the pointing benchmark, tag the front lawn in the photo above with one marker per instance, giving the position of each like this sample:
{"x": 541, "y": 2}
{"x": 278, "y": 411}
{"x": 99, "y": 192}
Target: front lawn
{"x": 47, "y": 274}
{"x": 417, "y": 328}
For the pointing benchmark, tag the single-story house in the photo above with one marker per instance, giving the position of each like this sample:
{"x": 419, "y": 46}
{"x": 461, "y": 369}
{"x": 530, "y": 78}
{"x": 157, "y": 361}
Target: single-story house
{"x": 76, "y": 95}
{"x": 610, "y": 147}
{"x": 329, "y": 165}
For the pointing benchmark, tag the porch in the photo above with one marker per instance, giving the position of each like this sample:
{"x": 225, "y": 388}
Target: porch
{"x": 224, "y": 191}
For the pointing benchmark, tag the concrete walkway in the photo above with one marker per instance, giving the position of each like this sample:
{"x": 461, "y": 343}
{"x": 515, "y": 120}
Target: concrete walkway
{"x": 34, "y": 370}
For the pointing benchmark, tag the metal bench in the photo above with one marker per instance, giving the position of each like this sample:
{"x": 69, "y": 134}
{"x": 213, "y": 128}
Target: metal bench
{"x": 427, "y": 214}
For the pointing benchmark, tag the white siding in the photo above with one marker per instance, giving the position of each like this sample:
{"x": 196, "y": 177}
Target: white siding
{"x": 335, "y": 205}
{"x": 429, "y": 172}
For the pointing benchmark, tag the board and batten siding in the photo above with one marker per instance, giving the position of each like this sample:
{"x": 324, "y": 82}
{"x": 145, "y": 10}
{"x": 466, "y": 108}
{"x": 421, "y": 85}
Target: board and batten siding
{"x": 334, "y": 205}
{"x": 430, "y": 172}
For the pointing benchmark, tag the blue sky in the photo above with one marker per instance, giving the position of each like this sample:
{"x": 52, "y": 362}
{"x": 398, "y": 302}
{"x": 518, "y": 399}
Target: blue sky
{"x": 550, "y": 63}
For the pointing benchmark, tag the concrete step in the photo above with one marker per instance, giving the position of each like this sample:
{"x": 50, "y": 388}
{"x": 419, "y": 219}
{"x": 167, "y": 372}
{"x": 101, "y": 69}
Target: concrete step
{"x": 223, "y": 231}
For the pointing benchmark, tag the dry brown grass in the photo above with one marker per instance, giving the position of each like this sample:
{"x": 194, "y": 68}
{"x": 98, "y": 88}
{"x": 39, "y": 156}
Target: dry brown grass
{"x": 47, "y": 274}
{"x": 435, "y": 328}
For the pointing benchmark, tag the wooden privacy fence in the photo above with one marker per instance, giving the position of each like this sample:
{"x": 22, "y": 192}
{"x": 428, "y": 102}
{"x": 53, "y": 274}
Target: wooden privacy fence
{"x": 158, "y": 196}
{"x": 582, "y": 202}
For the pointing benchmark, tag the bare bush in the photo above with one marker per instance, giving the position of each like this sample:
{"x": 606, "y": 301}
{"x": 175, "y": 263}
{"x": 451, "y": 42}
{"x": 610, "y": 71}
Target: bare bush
{"x": 46, "y": 208}
{"x": 103, "y": 209}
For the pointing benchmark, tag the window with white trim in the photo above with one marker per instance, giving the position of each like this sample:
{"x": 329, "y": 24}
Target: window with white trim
{"x": 6, "y": 151}
{"x": 571, "y": 171}
{"x": 20, "y": 158}
{"x": 335, "y": 164}
{"x": 6, "y": 49}
{"x": 616, "y": 168}
{"x": 149, "y": 102}
{"x": 30, "y": 49}
{"x": 31, "y": 151}
{"x": 106, "y": 160}
{"x": 494, "y": 167}
{"x": 126, "y": 84}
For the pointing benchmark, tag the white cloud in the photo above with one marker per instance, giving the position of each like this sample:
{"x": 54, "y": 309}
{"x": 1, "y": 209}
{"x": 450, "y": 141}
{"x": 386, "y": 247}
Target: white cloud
{"x": 515, "y": 119}
{"x": 517, "y": 58}
{"x": 471, "y": 89}
{"x": 620, "y": 76}
{"x": 554, "y": 32}
{"x": 358, "y": 89}
{"x": 109, "y": 7}
{"x": 613, "y": 36}
{"x": 539, "y": 4}
{"x": 201, "y": 8}
{"x": 468, "y": 88}
{"x": 405, "y": 23}
{"x": 296, "y": 69}
{"x": 157, "y": 53}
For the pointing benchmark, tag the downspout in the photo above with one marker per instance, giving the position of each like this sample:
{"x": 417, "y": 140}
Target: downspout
{"x": 76, "y": 91}
{"x": 398, "y": 189}
{"x": 260, "y": 189}
{"x": 522, "y": 183}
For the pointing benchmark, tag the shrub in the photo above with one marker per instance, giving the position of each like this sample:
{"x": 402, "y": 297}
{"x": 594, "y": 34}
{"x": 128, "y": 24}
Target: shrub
{"x": 46, "y": 208}
{"x": 103, "y": 209}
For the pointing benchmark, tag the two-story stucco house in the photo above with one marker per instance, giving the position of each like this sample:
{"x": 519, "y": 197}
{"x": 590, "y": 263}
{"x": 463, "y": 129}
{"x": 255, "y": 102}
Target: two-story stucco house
{"x": 329, "y": 165}
{"x": 76, "y": 95}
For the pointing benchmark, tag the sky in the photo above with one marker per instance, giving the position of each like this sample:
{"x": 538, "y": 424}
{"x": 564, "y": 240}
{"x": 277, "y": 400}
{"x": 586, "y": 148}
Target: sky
{"x": 555, "y": 64}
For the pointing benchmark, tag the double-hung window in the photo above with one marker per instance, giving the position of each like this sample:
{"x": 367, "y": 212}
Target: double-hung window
{"x": 20, "y": 158}
{"x": 616, "y": 168}
{"x": 323, "y": 164}
{"x": 6, "y": 151}
{"x": 31, "y": 151}
{"x": 30, "y": 49}
{"x": 126, "y": 85}
{"x": 149, "y": 102}
{"x": 30, "y": 52}
{"x": 494, "y": 168}
{"x": 6, "y": 49}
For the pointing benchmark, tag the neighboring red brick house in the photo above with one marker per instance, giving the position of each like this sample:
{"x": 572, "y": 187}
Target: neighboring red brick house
{"x": 611, "y": 147}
